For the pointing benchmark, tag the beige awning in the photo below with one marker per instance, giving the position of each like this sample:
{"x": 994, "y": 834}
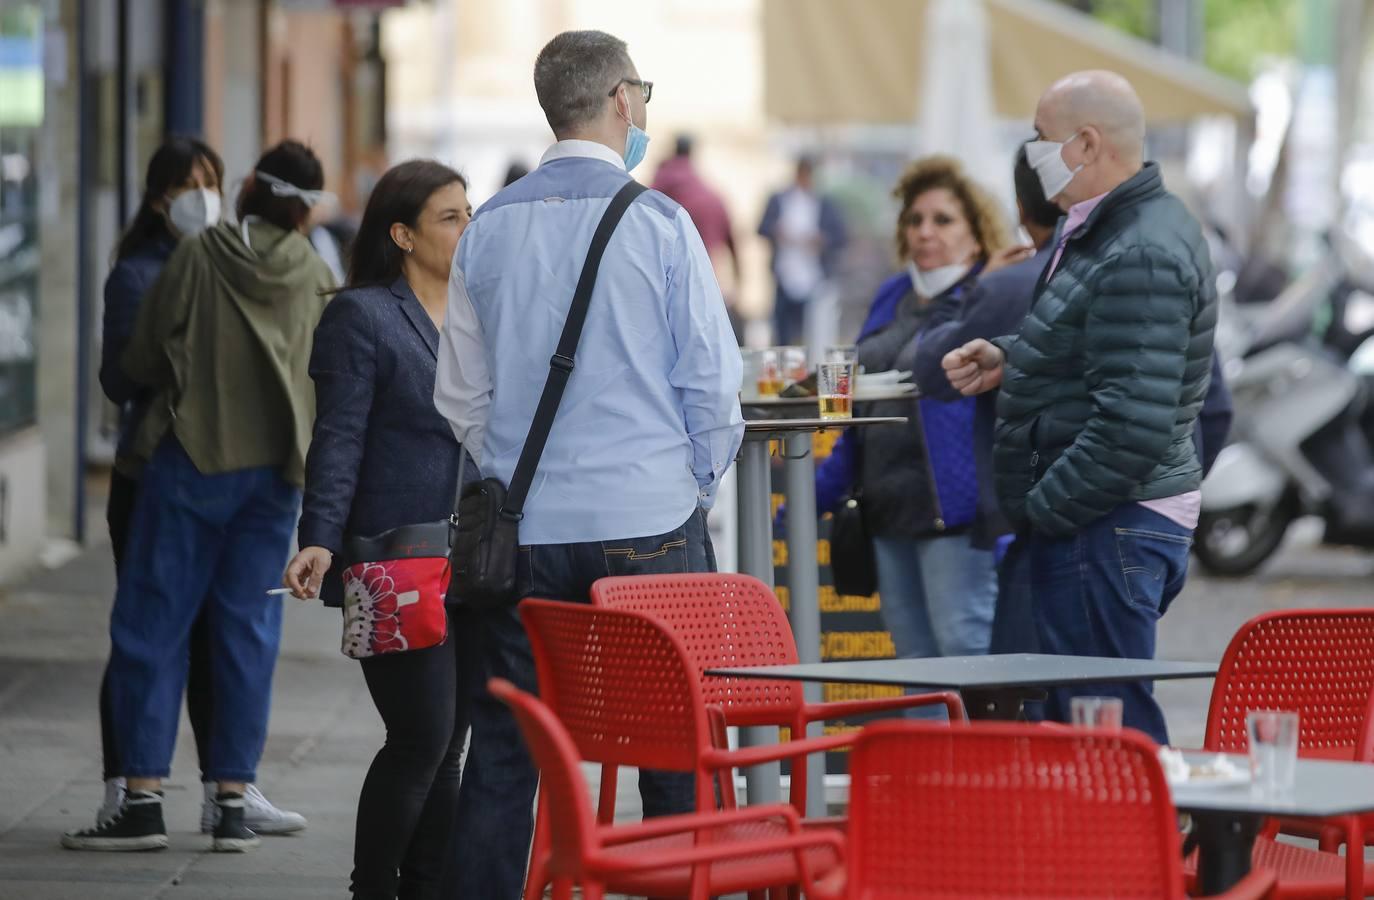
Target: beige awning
{"x": 859, "y": 61}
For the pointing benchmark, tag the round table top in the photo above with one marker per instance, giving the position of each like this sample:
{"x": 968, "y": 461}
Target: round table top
{"x": 862, "y": 397}
{"x": 783, "y": 426}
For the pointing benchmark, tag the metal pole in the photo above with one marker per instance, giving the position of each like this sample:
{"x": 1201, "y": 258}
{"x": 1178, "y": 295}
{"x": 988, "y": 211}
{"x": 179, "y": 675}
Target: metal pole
{"x": 87, "y": 147}
{"x": 803, "y": 582}
{"x": 761, "y": 783}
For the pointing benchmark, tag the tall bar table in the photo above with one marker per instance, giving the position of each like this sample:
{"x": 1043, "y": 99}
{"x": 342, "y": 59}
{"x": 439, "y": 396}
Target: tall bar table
{"x": 756, "y": 559}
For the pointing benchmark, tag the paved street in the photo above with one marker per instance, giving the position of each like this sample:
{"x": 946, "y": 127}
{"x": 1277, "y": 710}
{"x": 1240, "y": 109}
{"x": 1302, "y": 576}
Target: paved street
{"x": 324, "y": 732}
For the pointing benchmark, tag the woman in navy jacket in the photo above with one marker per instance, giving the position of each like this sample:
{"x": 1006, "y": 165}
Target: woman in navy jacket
{"x": 381, "y": 457}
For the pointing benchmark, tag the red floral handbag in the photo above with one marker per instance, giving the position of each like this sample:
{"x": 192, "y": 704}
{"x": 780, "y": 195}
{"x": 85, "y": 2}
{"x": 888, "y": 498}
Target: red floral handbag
{"x": 394, "y": 592}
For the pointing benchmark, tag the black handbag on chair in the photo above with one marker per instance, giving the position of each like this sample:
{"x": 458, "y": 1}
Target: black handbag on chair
{"x": 484, "y": 531}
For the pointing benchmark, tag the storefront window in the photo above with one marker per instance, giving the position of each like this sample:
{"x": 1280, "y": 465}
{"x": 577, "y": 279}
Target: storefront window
{"x": 21, "y": 117}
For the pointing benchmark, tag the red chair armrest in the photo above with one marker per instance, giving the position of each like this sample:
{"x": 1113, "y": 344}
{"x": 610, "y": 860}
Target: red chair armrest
{"x": 753, "y": 756}
{"x": 663, "y": 826}
{"x": 819, "y": 712}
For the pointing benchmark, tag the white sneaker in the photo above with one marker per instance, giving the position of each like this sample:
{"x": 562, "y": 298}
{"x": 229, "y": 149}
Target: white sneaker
{"x": 114, "y": 798}
{"x": 258, "y": 813}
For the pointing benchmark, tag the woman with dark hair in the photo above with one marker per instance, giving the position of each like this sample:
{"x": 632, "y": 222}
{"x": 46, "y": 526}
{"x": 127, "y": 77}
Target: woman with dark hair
{"x": 181, "y": 197}
{"x": 382, "y": 457}
{"x": 220, "y": 343}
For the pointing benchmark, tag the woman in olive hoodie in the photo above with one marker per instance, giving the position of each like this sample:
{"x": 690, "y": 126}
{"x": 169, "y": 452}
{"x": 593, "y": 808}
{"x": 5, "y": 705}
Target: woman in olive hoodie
{"x": 222, "y": 342}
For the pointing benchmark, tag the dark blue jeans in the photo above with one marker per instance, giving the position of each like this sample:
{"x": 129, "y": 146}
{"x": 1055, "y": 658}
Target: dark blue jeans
{"x": 496, "y": 800}
{"x": 1100, "y": 592}
{"x": 198, "y": 542}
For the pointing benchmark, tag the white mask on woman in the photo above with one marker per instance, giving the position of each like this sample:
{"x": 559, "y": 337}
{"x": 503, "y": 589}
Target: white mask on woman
{"x": 193, "y": 211}
{"x": 931, "y": 283}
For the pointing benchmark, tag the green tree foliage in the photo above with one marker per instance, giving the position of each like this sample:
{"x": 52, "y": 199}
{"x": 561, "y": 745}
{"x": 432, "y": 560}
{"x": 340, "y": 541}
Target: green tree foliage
{"x": 1238, "y": 34}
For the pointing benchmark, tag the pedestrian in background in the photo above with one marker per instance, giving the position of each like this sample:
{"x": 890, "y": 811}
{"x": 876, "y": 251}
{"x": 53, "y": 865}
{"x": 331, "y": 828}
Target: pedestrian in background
{"x": 183, "y": 195}
{"x": 1094, "y": 448}
{"x": 381, "y": 458}
{"x": 221, "y": 341}
{"x": 807, "y": 233}
{"x": 678, "y": 179}
{"x": 919, "y": 482}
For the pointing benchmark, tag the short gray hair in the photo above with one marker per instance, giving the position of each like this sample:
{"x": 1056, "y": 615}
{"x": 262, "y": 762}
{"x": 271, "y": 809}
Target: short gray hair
{"x": 575, "y": 73}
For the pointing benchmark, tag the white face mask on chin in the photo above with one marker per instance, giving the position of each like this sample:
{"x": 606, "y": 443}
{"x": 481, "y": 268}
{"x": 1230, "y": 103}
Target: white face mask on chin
{"x": 930, "y": 283}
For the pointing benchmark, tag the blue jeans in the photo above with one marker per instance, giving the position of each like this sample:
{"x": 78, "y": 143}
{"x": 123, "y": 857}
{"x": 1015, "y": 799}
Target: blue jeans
{"x": 1100, "y": 592}
{"x": 199, "y": 542}
{"x": 495, "y": 805}
{"x": 938, "y": 594}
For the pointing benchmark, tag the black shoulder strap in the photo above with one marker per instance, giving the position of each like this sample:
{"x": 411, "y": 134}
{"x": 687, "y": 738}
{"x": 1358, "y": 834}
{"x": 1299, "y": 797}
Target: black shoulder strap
{"x": 561, "y": 365}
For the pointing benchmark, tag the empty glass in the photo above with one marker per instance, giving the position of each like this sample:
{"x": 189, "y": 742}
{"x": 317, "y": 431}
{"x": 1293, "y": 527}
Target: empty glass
{"x": 835, "y": 386}
{"x": 1273, "y": 749}
{"x": 794, "y": 367}
{"x": 1096, "y": 712}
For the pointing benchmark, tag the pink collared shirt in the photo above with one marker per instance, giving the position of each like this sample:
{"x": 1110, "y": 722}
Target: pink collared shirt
{"x": 1181, "y": 509}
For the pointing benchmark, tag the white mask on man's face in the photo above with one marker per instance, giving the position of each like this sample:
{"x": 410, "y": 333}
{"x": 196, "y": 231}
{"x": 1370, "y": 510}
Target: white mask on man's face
{"x": 193, "y": 211}
{"x": 1047, "y": 159}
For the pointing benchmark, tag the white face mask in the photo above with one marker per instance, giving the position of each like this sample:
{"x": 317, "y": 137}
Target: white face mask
{"x": 1047, "y": 159}
{"x": 932, "y": 283}
{"x": 193, "y": 211}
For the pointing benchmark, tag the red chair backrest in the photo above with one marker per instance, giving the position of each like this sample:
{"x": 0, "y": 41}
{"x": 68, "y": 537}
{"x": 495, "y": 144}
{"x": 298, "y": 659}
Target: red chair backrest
{"x": 1316, "y": 662}
{"x": 723, "y": 620}
{"x": 563, "y": 788}
{"x": 620, "y": 683}
{"x": 1009, "y": 810}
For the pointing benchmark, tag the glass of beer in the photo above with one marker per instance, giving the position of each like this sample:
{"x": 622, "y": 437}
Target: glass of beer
{"x": 769, "y": 374}
{"x": 835, "y": 385}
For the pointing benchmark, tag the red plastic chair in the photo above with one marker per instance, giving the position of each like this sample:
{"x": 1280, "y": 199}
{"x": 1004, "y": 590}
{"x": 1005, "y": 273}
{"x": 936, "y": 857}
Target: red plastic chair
{"x": 1010, "y": 810}
{"x": 728, "y": 620}
{"x": 1318, "y": 663}
{"x": 691, "y": 855}
{"x": 622, "y": 685}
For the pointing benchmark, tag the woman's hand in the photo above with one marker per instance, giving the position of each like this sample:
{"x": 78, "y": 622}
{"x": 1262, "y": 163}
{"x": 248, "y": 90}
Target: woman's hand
{"x": 1009, "y": 256}
{"x": 306, "y": 571}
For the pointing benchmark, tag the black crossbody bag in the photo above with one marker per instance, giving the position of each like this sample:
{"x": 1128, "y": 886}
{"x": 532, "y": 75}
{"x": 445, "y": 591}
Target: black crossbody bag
{"x": 484, "y": 530}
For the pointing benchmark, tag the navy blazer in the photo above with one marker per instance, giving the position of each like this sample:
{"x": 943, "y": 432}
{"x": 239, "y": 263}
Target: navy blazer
{"x": 381, "y": 455}
{"x": 128, "y": 282}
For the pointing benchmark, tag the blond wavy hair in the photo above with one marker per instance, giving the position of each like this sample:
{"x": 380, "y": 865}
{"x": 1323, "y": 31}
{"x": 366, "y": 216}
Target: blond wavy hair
{"x": 984, "y": 214}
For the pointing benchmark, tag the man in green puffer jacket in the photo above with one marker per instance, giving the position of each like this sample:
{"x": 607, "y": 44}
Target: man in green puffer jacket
{"x": 1094, "y": 458}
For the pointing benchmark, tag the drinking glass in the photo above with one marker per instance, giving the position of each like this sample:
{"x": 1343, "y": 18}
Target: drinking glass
{"x": 794, "y": 367}
{"x": 768, "y": 374}
{"x": 835, "y": 386}
{"x": 1096, "y": 712}
{"x": 1273, "y": 749}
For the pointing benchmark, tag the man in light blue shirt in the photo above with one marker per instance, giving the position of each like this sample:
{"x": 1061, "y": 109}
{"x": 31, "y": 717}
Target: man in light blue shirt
{"x": 648, "y": 425}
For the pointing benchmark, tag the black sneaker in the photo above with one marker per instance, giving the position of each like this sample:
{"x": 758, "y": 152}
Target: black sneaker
{"x": 231, "y": 835}
{"x": 137, "y": 826}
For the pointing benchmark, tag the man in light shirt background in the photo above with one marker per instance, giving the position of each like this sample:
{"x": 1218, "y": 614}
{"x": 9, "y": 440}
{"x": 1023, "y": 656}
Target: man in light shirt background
{"x": 1093, "y": 452}
{"x": 648, "y": 425}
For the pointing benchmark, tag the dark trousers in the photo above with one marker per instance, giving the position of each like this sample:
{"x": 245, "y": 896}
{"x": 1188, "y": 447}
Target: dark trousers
{"x": 1101, "y": 592}
{"x": 211, "y": 544}
{"x": 789, "y": 319}
{"x": 119, "y": 512}
{"x": 410, "y": 797}
{"x": 495, "y": 807}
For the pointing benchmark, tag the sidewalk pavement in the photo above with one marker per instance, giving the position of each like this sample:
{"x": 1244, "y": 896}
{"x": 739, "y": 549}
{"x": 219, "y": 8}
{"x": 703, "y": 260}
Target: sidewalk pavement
{"x": 324, "y": 732}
